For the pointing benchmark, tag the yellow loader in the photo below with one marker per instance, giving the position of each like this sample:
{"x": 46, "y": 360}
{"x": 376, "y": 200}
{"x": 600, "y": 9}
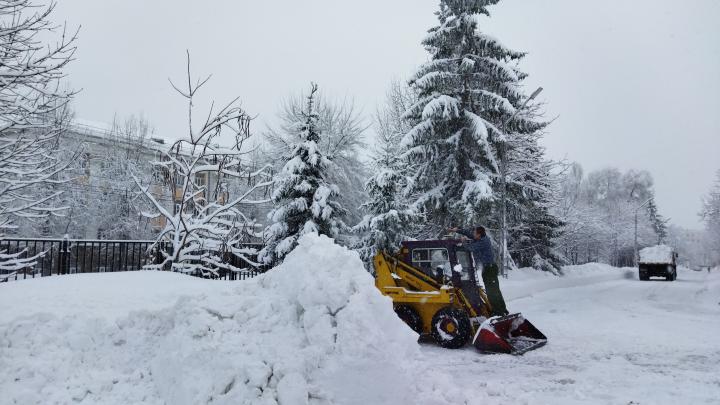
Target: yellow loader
{"x": 434, "y": 290}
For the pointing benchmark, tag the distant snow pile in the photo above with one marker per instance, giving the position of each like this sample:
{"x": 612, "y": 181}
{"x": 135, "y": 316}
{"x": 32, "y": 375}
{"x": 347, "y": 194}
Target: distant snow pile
{"x": 311, "y": 331}
{"x": 656, "y": 254}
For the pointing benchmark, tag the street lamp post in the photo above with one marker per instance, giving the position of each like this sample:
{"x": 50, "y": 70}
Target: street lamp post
{"x": 503, "y": 183}
{"x": 635, "y": 257}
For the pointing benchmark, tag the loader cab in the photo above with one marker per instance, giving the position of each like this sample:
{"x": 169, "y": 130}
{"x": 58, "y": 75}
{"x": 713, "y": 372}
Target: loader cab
{"x": 438, "y": 258}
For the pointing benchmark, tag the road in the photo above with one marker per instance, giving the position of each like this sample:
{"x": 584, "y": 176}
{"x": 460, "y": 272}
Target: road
{"x": 612, "y": 340}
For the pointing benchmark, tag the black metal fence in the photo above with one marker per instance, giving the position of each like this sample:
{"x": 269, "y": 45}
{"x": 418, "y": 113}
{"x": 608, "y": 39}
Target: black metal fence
{"x": 70, "y": 256}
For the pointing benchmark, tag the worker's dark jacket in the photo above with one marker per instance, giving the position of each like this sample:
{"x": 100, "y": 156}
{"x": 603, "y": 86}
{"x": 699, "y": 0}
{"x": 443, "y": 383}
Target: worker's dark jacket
{"x": 480, "y": 248}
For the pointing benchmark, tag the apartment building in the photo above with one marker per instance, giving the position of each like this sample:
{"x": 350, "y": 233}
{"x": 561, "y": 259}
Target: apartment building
{"x": 102, "y": 196}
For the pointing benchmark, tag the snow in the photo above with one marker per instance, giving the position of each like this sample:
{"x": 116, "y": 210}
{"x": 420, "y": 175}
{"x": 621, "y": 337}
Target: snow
{"x": 105, "y": 130}
{"x": 612, "y": 339}
{"x": 526, "y": 282}
{"x": 656, "y": 254}
{"x": 314, "y": 330}
{"x": 441, "y": 107}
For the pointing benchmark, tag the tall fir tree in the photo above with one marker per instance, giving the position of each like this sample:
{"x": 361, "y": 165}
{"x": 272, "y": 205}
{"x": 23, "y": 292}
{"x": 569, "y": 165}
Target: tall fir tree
{"x": 468, "y": 97}
{"x": 532, "y": 188}
{"x": 305, "y": 202}
{"x": 388, "y": 217}
{"x": 657, "y": 222}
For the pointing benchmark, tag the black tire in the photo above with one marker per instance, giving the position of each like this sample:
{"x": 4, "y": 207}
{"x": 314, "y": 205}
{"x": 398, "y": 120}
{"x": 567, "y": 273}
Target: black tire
{"x": 643, "y": 278}
{"x": 450, "y": 328}
{"x": 410, "y": 317}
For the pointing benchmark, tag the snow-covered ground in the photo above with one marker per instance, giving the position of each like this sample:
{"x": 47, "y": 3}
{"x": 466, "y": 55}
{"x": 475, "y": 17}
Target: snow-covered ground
{"x": 316, "y": 331}
{"x": 313, "y": 330}
{"x": 612, "y": 340}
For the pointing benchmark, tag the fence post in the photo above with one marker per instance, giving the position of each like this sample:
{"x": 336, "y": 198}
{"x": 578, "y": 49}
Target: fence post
{"x": 159, "y": 247}
{"x": 63, "y": 257}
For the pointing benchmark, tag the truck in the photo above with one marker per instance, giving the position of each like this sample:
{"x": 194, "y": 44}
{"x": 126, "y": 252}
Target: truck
{"x": 657, "y": 261}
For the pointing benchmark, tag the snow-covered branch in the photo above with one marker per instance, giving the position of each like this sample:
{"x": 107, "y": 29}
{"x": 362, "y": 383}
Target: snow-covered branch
{"x": 205, "y": 227}
{"x": 33, "y": 112}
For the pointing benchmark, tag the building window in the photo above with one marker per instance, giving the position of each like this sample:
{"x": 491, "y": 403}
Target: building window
{"x": 158, "y": 175}
{"x": 201, "y": 179}
{"x": 85, "y": 161}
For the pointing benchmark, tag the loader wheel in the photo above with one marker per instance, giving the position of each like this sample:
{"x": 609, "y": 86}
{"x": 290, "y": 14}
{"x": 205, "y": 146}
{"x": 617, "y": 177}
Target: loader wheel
{"x": 410, "y": 317}
{"x": 451, "y": 328}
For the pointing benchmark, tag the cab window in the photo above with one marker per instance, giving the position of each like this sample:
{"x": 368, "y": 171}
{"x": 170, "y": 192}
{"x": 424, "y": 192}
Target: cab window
{"x": 431, "y": 261}
{"x": 463, "y": 258}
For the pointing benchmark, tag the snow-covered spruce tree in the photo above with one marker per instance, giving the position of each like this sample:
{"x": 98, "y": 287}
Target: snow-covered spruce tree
{"x": 532, "y": 187}
{"x": 658, "y": 223}
{"x": 468, "y": 97}
{"x": 33, "y": 111}
{"x": 388, "y": 218}
{"x": 205, "y": 228}
{"x": 305, "y": 201}
{"x": 342, "y": 128}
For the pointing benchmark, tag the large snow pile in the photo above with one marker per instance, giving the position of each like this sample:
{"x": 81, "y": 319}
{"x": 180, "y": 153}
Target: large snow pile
{"x": 656, "y": 254}
{"x": 311, "y": 331}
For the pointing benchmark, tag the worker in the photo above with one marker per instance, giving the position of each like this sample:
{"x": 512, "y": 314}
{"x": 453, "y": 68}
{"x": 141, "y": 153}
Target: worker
{"x": 481, "y": 248}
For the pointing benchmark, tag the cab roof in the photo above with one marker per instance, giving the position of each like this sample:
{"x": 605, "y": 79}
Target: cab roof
{"x": 429, "y": 244}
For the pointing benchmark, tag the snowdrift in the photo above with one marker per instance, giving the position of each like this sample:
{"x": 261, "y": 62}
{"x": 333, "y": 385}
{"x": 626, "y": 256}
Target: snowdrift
{"x": 311, "y": 331}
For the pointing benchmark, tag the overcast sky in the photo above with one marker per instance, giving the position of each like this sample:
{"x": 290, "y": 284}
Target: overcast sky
{"x": 633, "y": 84}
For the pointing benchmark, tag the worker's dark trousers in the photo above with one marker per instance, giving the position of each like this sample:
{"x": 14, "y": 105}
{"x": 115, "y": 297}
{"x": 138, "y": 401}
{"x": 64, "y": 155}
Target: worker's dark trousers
{"x": 492, "y": 287}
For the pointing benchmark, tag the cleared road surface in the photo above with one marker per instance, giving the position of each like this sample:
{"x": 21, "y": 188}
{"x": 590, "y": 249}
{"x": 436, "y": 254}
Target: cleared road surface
{"x": 612, "y": 339}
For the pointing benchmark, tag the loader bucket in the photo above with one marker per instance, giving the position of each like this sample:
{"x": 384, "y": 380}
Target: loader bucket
{"x": 512, "y": 334}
